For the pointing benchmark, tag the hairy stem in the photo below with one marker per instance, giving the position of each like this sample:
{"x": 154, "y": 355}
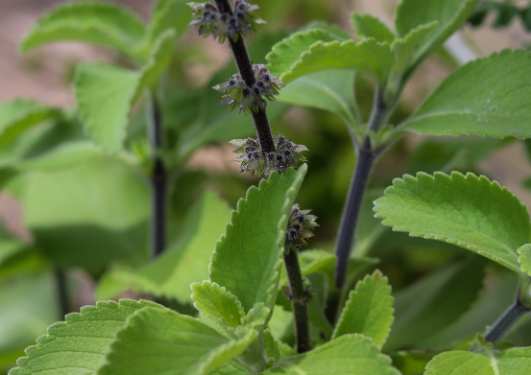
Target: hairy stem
{"x": 299, "y": 300}
{"x": 159, "y": 178}
{"x": 261, "y": 122}
{"x": 506, "y": 321}
{"x": 352, "y": 209}
{"x": 62, "y": 293}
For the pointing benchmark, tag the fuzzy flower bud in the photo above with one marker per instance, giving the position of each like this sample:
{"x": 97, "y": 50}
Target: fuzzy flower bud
{"x": 254, "y": 161}
{"x": 237, "y": 94}
{"x": 301, "y": 225}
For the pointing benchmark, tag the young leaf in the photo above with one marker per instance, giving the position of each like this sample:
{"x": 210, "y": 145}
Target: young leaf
{"x": 254, "y": 240}
{"x": 171, "y": 274}
{"x": 157, "y": 342}
{"x": 287, "y": 52}
{"x": 105, "y": 96}
{"x": 346, "y": 355}
{"x": 367, "y": 26}
{"x": 487, "y": 97}
{"x": 369, "y": 310}
{"x": 19, "y": 115}
{"x": 450, "y": 15}
{"x": 80, "y": 342}
{"x": 367, "y": 56}
{"x": 217, "y": 303}
{"x": 509, "y": 362}
{"x": 419, "y": 305}
{"x": 524, "y": 258}
{"x": 91, "y": 22}
{"x": 464, "y": 210}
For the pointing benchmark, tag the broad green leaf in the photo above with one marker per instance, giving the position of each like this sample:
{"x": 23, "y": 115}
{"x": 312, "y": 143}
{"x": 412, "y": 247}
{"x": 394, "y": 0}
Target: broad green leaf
{"x": 465, "y": 210}
{"x": 216, "y": 303}
{"x": 366, "y": 56}
{"x": 171, "y": 274}
{"x": 87, "y": 215}
{"x": 167, "y": 15}
{"x": 450, "y": 15}
{"x": 287, "y": 52}
{"x": 346, "y": 355}
{"x": 369, "y": 310}
{"x": 79, "y": 344}
{"x": 331, "y": 91}
{"x": 486, "y": 98}
{"x": 420, "y": 306}
{"x": 19, "y": 115}
{"x": 94, "y": 22}
{"x": 159, "y": 341}
{"x": 524, "y": 258}
{"x": 516, "y": 361}
{"x": 368, "y": 26}
{"x": 105, "y": 96}
{"x": 254, "y": 240}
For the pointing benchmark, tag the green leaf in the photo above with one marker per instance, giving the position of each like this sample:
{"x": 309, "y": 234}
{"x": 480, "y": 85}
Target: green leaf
{"x": 285, "y": 54}
{"x": 464, "y": 210}
{"x": 254, "y": 240}
{"x": 516, "y": 361}
{"x": 171, "y": 274}
{"x": 91, "y": 22}
{"x": 524, "y": 258}
{"x": 486, "y": 98}
{"x": 105, "y": 96}
{"x": 76, "y": 218}
{"x": 19, "y": 115}
{"x": 368, "y": 26}
{"x": 216, "y": 303}
{"x": 80, "y": 342}
{"x": 346, "y": 355}
{"x": 405, "y": 48}
{"x": 331, "y": 91}
{"x": 367, "y": 56}
{"x": 369, "y": 310}
{"x": 159, "y": 341}
{"x": 420, "y": 306}
{"x": 450, "y": 15}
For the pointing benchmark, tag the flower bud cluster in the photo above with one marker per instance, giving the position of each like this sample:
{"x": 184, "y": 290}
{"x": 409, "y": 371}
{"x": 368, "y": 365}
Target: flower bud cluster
{"x": 254, "y": 161}
{"x": 210, "y": 21}
{"x": 301, "y": 225}
{"x": 236, "y": 93}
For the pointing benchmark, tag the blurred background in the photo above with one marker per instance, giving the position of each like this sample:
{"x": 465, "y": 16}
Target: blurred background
{"x": 45, "y": 75}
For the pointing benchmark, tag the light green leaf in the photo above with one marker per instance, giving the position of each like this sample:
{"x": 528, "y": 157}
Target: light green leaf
{"x": 94, "y": 22}
{"x": 515, "y": 361}
{"x": 367, "y": 56}
{"x": 368, "y": 26}
{"x": 346, "y": 355}
{"x": 171, "y": 274}
{"x": 331, "y": 91}
{"x": 254, "y": 240}
{"x": 105, "y": 96}
{"x": 167, "y": 15}
{"x": 419, "y": 305}
{"x": 405, "y": 48}
{"x": 19, "y": 115}
{"x": 216, "y": 303}
{"x": 487, "y": 97}
{"x": 524, "y": 258}
{"x": 79, "y": 344}
{"x": 450, "y": 15}
{"x": 287, "y": 52}
{"x": 369, "y": 310}
{"x": 464, "y": 210}
{"x": 159, "y": 341}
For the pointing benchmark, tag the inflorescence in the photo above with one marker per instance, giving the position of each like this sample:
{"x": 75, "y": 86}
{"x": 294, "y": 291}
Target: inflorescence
{"x": 301, "y": 225}
{"x": 210, "y": 21}
{"x": 254, "y": 161}
{"x": 236, "y": 93}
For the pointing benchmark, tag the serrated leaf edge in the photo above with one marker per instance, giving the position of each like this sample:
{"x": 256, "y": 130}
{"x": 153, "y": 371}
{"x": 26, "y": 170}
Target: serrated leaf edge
{"x": 215, "y": 286}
